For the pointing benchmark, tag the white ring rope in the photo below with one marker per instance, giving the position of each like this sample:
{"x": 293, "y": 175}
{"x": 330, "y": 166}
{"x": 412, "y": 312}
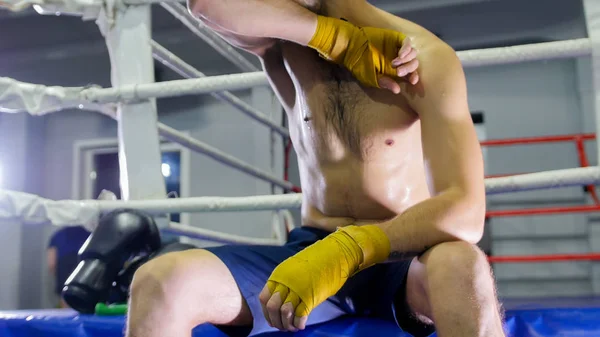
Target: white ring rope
{"x": 37, "y": 99}
{"x": 525, "y": 53}
{"x": 69, "y": 97}
{"x": 473, "y": 58}
{"x": 175, "y": 88}
{"x": 205, "y": 234}
{"x": 176, "y": 64}
{"x": 220, "y": 156}
{"x": 543, "y": 180}
{"x": 34, "y": 209}
{"x": 206, "y": 204}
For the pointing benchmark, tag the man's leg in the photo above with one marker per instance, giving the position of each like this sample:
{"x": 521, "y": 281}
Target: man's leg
{"x": 452, "y": 285}
{"x": 174, "y": 293}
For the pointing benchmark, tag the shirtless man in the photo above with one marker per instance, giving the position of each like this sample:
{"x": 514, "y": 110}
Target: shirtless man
{"x": 393, "y": 189}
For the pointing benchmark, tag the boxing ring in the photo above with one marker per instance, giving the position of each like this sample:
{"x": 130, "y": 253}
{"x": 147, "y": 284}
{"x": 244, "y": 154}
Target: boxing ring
{"x": 131, "y": 102}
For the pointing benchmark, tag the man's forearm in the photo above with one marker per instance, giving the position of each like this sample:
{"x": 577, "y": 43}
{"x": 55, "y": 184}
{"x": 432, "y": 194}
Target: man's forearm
{"x": 443, "y": 218}
{"x": 279, "y": 19}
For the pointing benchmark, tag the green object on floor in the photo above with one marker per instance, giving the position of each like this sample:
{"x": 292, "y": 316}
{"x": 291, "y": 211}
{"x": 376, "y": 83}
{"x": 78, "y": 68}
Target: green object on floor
{"x": 111, "y": 309}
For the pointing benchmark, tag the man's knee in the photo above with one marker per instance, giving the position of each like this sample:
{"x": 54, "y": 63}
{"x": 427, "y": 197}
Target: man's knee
{"x": 153, "y": 279}
{"x": 179, "y": 281}
{"x": 457, "y": 258}
{"x": 164, "y": 276}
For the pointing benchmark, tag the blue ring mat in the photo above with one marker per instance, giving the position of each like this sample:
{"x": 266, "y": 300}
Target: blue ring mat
{"x": 524, "y": 318}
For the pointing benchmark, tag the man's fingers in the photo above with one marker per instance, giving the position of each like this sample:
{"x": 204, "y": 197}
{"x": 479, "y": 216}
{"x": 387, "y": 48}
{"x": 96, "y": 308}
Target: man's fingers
{"x": 399, "y": 61}
{"x": 389, "y": 84}
{"x": 287, "y": 317}
{"x": 264, "y": 297}
{"x": 406, "y": 48}
{"x": 300, "y": 321}
{"x": 414, "y": 78}
{"x": 274, "y": 311}
{"x": 408, "y": 68}
{"x": 288, "y": 310}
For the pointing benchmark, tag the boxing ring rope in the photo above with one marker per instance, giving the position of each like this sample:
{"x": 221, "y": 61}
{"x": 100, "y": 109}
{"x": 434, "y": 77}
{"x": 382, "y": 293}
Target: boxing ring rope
{"x": 213, "y": 84}
{"x": 176, "y": 88}
{"x": 38, "y": 100}
{"x": 222, "y": 157}
{"x": 473, "y": 58}
{"x": 34, "y": 207}
{"x": 579, "y": 140}
{"x": 218, "y": 237}
{"x": 525, "y": 53}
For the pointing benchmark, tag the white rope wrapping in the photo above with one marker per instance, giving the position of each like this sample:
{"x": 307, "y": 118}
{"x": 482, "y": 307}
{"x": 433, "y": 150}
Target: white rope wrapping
{"x": 543, "y": 180}
{"x": 205, "y": 234}
{"x": 176, "y": 88}
{"x": 541, "y": 51}
{"x": 36, "y": 99}
{"x": 17, "y": 5}
{"x": 27, "y": 206}
{"x": 206, "y": 204}
{"x": 524, "y": 53}
{"x": 32, "y": 209}
{"x": 88, "y": 9}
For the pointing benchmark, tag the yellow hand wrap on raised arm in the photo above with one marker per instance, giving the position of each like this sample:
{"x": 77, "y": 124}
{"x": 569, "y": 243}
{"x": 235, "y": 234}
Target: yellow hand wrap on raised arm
{"x": 320, "y": 270}
{"x": 366, "y": 52}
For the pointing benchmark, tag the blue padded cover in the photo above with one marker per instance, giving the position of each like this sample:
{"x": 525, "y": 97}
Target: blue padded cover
{"x": 524, "y": 318}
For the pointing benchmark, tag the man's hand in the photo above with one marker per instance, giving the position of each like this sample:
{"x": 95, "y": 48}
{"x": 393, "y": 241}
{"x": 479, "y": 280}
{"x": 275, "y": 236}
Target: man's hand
{"x": 376, "y": 57}
{"x": 406, "y": 65}
{"x": 305, "y": 280}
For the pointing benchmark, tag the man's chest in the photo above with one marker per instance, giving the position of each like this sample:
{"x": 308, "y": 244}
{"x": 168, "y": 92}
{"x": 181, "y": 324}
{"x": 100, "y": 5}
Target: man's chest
{"x": 333, "y": 125}
{"x": 333, "y": 115}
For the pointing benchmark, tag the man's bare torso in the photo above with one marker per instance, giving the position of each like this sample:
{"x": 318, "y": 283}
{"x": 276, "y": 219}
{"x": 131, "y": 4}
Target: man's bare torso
{"x": 359, "y": 149}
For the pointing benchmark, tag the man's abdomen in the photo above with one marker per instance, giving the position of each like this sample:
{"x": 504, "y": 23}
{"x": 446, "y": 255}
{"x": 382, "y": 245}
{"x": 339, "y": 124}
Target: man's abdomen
{"x": 337, "y": 196}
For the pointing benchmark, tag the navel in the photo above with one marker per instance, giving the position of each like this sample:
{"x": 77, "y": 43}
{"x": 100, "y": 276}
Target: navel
{"x": 389, "y": 142}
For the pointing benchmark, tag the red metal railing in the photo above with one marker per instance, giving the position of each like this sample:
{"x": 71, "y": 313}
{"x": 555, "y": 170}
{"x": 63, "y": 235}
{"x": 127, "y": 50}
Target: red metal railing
{"x": 544, "y": 258}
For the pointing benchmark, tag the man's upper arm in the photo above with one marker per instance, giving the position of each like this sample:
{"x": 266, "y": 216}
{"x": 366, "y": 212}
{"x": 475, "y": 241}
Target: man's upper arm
{"x": 255, "y": 45}
{"x": 451, "y": 149}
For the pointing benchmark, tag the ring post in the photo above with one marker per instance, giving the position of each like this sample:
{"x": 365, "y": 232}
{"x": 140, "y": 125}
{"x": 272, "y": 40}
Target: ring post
{"x": 128, "y": 39}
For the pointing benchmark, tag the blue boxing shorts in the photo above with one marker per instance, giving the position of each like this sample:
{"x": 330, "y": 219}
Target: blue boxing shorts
{"x": 376, "y": 292}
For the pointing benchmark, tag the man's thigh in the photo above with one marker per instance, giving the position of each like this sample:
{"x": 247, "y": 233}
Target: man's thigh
{"x": 251, "y": 266}
{"x": 180, "y": 290}
{"x": 390, "y": 291}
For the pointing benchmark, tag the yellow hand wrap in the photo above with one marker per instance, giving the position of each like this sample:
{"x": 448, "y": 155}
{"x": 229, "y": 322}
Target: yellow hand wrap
{"x": 320, "y": 270}
{"x": 366, "y": 52}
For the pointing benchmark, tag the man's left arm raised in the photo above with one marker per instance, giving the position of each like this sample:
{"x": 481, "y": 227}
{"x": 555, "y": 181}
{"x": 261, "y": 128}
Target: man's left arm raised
{"x": 455, "y": 211}
{"x": 453, "y": 159}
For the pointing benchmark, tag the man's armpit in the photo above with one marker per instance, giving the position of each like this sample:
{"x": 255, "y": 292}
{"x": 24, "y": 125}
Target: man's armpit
{"x": 281, "y": 83}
